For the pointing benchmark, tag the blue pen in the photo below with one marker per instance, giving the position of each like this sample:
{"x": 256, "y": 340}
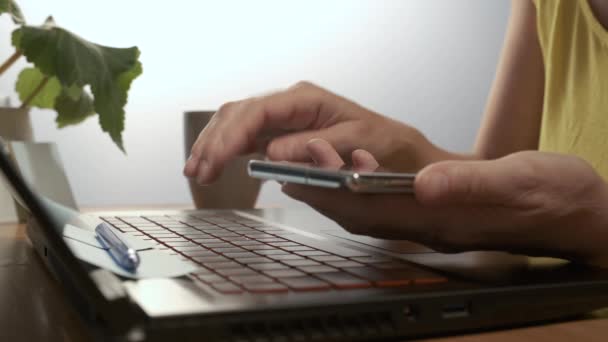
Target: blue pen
{"x": 123, "y": 255}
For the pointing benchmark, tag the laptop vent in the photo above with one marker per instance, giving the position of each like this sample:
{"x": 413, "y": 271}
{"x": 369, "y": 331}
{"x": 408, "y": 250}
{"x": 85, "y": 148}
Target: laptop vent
{"x": 344, "y": 327}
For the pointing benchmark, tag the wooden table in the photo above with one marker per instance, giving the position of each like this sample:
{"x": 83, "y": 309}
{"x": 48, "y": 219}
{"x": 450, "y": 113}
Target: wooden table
{"x": 34, "y": 308}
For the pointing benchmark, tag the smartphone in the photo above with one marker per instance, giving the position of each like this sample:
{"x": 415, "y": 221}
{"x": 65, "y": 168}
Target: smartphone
{"x": 363, "y": 182}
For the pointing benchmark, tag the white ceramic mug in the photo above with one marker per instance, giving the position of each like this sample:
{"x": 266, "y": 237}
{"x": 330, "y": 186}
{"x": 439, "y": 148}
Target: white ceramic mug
{"x": 234, "y": 189}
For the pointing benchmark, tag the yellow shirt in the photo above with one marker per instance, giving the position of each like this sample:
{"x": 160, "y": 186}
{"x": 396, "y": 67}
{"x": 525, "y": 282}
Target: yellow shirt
{"x": 575, "y": 52}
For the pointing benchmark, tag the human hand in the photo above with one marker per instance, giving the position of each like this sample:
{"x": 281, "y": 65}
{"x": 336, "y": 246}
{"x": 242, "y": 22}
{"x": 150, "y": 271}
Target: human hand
{"x": 528, "y": 202}
{"x": 282, "y": 123}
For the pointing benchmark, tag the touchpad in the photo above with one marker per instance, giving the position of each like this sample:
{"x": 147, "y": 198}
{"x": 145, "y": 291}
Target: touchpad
{"x": 395, "y": 246}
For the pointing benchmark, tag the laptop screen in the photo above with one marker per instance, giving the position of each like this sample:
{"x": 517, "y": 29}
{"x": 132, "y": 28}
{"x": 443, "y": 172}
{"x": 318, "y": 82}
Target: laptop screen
{"x": 50, "y": 217}
{"x": 39, "y": 206}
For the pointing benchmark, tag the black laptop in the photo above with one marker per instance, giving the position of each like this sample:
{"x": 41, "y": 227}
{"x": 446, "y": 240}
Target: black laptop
{"x": 281, "y": 275}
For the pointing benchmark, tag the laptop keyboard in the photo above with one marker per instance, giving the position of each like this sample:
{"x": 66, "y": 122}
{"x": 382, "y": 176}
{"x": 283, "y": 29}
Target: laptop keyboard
{"x": 238, "y": 255}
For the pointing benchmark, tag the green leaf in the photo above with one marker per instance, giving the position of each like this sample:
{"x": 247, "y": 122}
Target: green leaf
{"x": 73, "y": 92}
{"x": 29, "y": 80}
{"x": 70, "y": 110}
{"x": 11, "y": 7}
{"x": 75, "y": 61}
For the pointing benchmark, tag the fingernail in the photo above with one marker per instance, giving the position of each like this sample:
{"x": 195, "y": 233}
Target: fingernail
{"x": 190, "y": 167}
{"x": 436, "y": 185}
{"x": 203, "y": 172}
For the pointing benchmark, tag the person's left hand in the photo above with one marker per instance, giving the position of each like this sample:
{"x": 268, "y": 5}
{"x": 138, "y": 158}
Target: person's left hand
{"x": 529, "y": 202}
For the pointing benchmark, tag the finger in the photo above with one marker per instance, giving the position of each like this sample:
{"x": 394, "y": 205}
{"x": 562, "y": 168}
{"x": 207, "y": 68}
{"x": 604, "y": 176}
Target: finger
{"x": 235, "y": 127}
{"x": 357, "y": 214}
{"x": 292, "y": 147}
{"x": 364, "y": 161}
{"x": 323, "y": 154}
{"x": 467, "y": 182}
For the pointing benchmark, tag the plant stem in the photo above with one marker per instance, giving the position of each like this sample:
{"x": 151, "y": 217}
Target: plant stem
{"x": 36, "y": 91}
{"x": 12, "y": 59}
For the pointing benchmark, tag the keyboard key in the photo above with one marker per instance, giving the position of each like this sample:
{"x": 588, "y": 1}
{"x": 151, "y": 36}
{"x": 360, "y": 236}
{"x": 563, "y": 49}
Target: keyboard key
{"x": 236, "y": 272}
{"x": 152, "y": 228}
{"x": 161, "y": 235}
{"x": 128, "y": 230}
{"x": 392, "y": 265}
{"x": 258, "y": 235}
{"x": 372, "y": 259}
{"x": 284, "y": 273}
{"x": 382, "y": 278}
{"x": 251, "y": 279}
{"x": 228, "y": 250}
{"x": 184, "y": 243}
{"x": 183, "y": 231}
{"x": 207, "y": 241}
{"x": 222, "y": 265}
{"x": 342, "y": 264}
{"x": 174, "y": 225}
{"x": 298, "y": 248}
{"x": 259, "y": 247}
{"x": 199, "y": 253}
{"x": 271, "y": 239}
{"x": 254, "y": 260}
{"x": 212, "y": 231}
{"x": 284, "y": 244}
{"x": 240, "y": 255}
{"x": 305, "y": 283}
{"x": 344, "y": 280}
{"x": 210, "y": 278}
{"x": 317, "y": 269}
{"x": 286, "y": 257}
{"x": 324, "y": 258}
{"x": 311, "y": 253}
{"x": 227, "y": 288}
{"x": 245, "y": 242}
{"x": 210, "y": 259}
{"x": 188, "y": 248}
{"x": 300, "y": 262}
{"x": 201, "y": 224}
{"x": 225, "y": 234}
{"x": 173, "y": 239}
{"x": 268, "y": 266}
{"x": 326, "y": 246}
{"x": 425, "y": 280}
{"x": 265, "y": 288}
{"x": 272, "y": 230}
{"x": 271, "y": 252}
{"x": 202, "y": 270}
{"x": 218, "y": 245}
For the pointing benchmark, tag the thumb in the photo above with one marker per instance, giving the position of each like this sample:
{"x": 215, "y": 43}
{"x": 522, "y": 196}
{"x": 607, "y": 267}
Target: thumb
{"x": 293, "y": 146}
{"x": 463, "y": 182}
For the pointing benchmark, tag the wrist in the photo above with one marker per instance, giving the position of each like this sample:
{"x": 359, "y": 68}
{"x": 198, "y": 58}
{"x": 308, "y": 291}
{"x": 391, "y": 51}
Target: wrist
{"x": 416, "y": 151}
{"x": 596, "y": 252}
{"x": 408, "y": 149}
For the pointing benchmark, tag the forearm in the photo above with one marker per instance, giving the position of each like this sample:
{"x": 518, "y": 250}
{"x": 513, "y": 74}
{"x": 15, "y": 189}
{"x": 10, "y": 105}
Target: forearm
{"x": 512, "y": 116}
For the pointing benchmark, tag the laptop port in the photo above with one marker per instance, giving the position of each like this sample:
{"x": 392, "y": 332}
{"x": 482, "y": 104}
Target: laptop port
{"x": 409, "y": 313}
{"x": 458, "y": 310}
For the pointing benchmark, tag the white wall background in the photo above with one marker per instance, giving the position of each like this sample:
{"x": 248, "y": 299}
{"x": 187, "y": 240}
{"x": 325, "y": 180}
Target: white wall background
{"x": 427, "y": 62}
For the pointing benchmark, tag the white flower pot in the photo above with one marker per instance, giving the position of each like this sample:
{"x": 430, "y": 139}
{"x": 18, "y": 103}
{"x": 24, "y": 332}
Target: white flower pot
{"x": 14, "y": 125}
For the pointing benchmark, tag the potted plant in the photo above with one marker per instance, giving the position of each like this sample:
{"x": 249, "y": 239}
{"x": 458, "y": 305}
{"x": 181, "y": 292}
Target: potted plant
{"x": 74, "y": 77}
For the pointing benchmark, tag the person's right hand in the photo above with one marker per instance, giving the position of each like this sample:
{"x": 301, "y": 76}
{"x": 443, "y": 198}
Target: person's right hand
{"x": 283, "y": 122}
